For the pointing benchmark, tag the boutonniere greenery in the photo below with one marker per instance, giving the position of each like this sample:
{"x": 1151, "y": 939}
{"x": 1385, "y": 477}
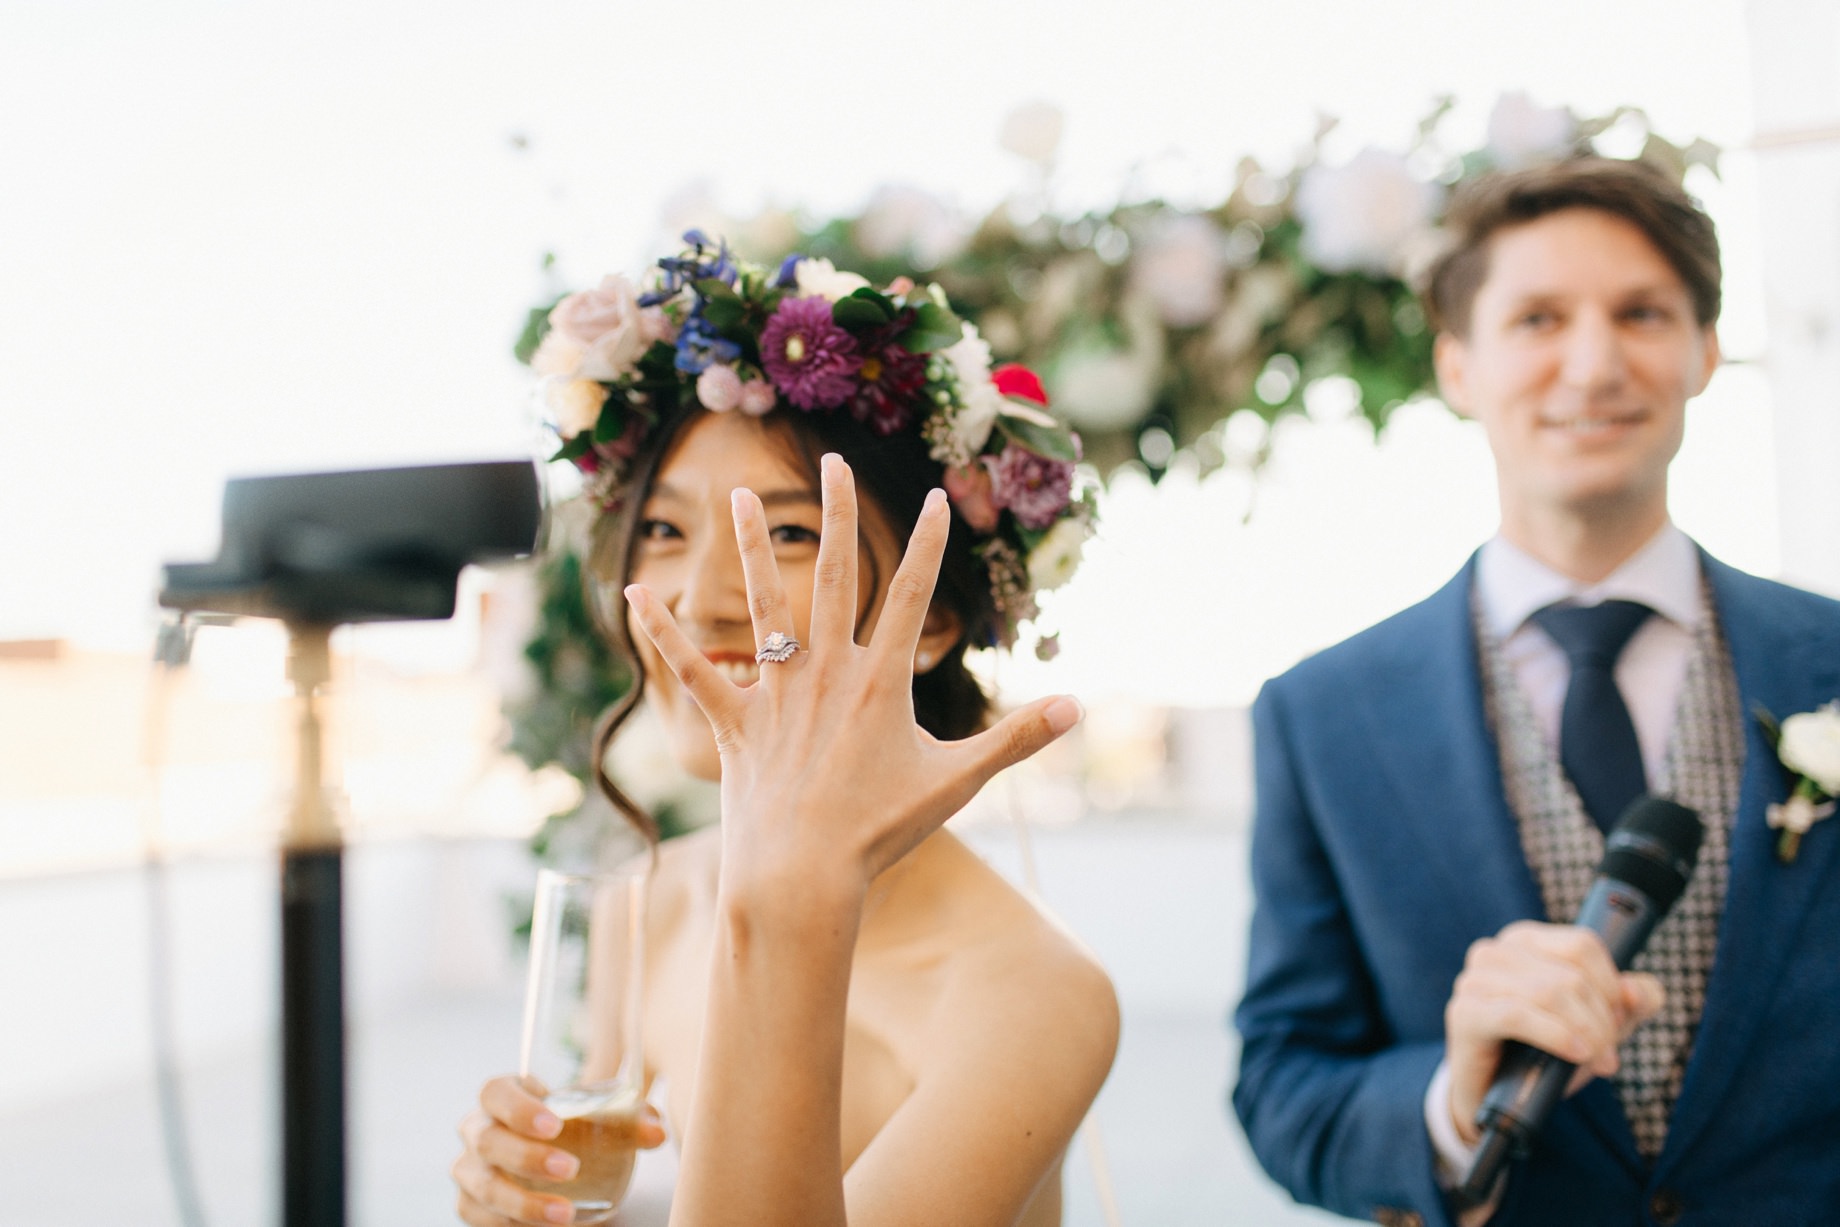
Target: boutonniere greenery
{"x": 1808, "y": 744}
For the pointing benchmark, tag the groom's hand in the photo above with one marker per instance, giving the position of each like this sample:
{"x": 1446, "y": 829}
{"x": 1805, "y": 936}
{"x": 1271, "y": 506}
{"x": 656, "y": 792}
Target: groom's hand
{"x": 1551, "y": 986}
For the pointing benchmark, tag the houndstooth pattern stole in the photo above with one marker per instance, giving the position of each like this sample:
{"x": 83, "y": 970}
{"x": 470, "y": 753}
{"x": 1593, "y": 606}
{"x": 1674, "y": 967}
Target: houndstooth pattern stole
{"x": 1704, "y": 765}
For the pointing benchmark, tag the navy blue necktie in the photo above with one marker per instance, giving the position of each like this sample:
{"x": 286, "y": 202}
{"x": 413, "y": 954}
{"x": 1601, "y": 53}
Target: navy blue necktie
{"x": 1597, "y": 739}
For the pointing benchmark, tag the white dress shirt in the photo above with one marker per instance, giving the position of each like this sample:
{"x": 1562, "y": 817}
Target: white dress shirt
{"x": 1510, "y": 586}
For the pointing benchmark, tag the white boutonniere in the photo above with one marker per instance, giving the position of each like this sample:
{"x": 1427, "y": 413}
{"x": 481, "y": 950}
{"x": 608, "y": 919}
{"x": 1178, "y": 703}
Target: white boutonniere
{"x": 1809, "y": 746}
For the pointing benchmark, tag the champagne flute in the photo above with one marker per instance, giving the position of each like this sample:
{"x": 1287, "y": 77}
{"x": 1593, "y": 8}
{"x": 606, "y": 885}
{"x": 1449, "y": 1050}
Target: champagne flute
{"x": 581, "y": 1027}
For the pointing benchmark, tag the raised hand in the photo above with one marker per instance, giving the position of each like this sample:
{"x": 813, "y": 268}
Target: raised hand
{"x": 823, "y": 764}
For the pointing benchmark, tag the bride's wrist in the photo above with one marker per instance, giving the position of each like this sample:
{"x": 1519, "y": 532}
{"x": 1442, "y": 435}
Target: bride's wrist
{"x": 804, "y": 897}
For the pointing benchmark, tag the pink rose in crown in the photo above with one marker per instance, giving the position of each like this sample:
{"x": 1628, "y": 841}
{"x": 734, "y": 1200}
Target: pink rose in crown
{"x": 606, "y": 325}
{"x": 969, "y": 490}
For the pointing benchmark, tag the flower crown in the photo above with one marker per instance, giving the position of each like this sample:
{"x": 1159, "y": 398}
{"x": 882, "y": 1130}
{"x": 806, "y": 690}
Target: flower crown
{"x": 731, "y": 336}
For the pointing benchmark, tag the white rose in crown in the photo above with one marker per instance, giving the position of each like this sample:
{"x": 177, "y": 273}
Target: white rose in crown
{"x": 575, "y": 404}
{"x": 1809, "y": 745}
{"x": 1057, "y": 555}
{"x": 821, "y": 278}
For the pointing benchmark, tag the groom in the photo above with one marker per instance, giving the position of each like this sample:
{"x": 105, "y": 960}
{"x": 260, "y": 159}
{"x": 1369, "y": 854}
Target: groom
{"x": 1432, "y": 793}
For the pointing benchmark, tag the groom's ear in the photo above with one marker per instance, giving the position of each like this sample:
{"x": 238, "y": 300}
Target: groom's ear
{"x": 1450, "y": 357}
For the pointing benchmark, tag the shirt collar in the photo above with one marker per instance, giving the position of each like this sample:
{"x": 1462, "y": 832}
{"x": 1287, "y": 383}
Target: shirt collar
{"x": 1664, "y": 575}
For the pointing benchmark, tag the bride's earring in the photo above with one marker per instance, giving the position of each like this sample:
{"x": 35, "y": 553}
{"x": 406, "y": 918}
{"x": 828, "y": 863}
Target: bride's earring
{"x": 923, "y": 661}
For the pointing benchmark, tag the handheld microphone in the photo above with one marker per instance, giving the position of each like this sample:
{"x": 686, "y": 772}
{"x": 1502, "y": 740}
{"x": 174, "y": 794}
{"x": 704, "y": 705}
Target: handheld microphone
{"x": 1648, "y": 860}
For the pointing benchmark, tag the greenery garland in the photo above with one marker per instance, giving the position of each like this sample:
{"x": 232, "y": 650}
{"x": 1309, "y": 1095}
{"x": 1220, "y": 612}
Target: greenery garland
{"x": 1153, "y": 323}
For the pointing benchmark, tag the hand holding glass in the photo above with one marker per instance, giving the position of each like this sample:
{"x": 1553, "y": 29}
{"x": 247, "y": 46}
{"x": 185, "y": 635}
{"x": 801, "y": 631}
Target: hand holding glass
{"x": 581, "y": 1028}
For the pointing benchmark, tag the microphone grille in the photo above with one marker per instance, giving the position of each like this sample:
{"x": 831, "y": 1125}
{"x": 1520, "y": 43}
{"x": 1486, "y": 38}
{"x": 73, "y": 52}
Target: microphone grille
{"x": 1654, "y": 848}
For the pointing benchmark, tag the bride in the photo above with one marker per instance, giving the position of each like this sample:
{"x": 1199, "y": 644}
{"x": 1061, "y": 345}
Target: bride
{"x": 858, "y": 1021}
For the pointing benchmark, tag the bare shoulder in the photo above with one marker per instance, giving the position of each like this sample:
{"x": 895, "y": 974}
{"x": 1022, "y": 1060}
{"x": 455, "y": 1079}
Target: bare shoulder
{"x": 1024, "y": 972}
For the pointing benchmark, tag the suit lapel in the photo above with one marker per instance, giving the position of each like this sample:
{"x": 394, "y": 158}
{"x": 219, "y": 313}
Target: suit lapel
{"x": 1434, "y": 749}
{"x": 1783, "y": 666}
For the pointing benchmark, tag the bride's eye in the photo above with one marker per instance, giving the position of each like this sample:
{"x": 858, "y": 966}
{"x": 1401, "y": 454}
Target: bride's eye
{"x": 793, "y": 534}
{"x": 657, "y": 530}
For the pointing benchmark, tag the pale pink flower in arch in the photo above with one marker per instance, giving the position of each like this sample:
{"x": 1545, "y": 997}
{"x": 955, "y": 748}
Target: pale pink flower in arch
{"x": 1365, "y": 215}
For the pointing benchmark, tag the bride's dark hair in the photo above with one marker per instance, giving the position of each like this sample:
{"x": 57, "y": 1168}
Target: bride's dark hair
{"x": 894, "y": 472}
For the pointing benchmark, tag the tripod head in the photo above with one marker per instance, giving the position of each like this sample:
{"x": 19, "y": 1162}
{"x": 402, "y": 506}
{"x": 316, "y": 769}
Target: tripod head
{"x": 367, "y": 545}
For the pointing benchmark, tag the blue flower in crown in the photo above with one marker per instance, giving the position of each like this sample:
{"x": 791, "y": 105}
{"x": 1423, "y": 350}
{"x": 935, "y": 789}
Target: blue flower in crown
{"x": 698, "y": 345}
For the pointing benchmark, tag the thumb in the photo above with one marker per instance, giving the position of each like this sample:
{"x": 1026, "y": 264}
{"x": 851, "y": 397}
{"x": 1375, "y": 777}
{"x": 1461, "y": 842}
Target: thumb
{"x": 1642, "y": 998}
{"x": 649, "y": 1131}
{"x": 1022, "y": 733}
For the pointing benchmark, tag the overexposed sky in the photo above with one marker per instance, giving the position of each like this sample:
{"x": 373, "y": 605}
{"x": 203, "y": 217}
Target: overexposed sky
{"x": 254, "y": 237}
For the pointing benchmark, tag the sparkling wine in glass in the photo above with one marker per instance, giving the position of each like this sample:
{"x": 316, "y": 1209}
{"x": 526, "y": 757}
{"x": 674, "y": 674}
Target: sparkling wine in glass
{"x": 581, "y": 1027}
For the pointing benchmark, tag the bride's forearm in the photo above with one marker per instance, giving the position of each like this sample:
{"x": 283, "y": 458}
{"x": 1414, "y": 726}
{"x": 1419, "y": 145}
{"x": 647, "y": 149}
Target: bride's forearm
{"x": 763, "y": 1145}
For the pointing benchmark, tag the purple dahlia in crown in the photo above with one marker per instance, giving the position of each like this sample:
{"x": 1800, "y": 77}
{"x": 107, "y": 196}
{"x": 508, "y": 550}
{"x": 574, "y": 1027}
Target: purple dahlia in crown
{"x": 705, "y": 331}
{"x": 807, "y": 356}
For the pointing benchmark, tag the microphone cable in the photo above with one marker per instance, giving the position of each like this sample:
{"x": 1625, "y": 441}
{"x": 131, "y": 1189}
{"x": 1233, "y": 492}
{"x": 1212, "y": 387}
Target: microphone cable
{"x": 172, "y": 652}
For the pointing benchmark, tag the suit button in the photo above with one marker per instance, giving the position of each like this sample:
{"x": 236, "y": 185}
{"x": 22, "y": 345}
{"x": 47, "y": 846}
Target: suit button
{"x": 1666, "y": 1207}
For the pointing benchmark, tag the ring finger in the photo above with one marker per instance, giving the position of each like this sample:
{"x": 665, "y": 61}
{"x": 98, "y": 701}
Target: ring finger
{"x": 766, "y": 597}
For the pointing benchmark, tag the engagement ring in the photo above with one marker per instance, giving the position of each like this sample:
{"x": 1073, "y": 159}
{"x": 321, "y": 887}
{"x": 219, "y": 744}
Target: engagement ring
{"x": 777, "y": 650}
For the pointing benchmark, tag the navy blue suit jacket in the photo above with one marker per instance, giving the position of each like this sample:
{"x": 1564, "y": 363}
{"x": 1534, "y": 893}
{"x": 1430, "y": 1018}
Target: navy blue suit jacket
{"x": 1384, "y": 846}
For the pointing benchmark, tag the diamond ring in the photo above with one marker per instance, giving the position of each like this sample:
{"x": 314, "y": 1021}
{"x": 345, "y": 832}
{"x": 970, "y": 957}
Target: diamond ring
{"x": 777, "y": 650}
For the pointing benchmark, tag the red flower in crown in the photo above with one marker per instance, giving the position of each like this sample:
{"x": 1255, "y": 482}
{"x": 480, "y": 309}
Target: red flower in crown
{"x": 1014, "y": 379}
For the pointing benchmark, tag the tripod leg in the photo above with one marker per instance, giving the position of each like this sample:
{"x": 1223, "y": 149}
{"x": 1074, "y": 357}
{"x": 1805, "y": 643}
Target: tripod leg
{"x": 313, "y": 1039}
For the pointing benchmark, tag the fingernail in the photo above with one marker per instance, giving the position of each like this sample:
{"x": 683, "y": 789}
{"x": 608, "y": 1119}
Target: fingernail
{"x": 935, "y": 499}
{"x": 559, "y": 1212}
{"x": 830, "y": 464}
{"x": 562, "y": 1166}
{"x": 1063, "y": 713}
{"x": 632, "y": 593}
{"x": 738, "y": 500}
{"x": 546, "y": 1124}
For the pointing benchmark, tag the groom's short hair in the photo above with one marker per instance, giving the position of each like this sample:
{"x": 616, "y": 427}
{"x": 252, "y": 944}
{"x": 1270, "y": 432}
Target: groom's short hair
{"x": 1634, "y": 191}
